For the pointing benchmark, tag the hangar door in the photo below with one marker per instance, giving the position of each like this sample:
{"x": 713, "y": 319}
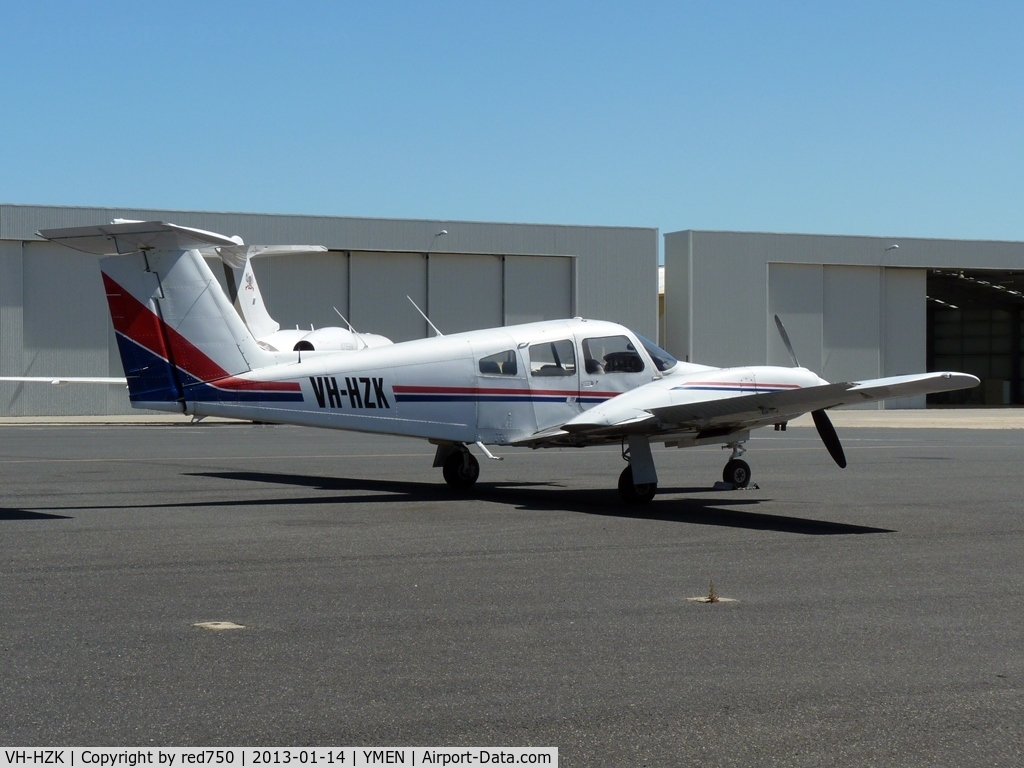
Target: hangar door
{"x": 301, "y": 289}
{"x": 56, "y": 322}
{"x": 465, "y": 291}
{"x": 378, "y": 286}
{"x": 458, "y": 291}
{"x": 849, "y": 323}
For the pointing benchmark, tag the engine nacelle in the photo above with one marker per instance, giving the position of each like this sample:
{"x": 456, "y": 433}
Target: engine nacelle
{"x": 329, "y": 339}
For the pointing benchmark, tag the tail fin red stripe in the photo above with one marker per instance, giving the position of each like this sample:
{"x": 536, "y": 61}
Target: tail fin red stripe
{"x": 137, "y": 322}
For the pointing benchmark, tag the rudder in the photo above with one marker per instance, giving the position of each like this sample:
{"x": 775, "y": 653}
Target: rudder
{"x": 177, "y": 333}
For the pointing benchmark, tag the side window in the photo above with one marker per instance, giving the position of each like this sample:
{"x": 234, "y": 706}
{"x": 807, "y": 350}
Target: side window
{"x": 501, "y": 364}
{"x": 553, "y": 358}
{"x": 611, "y": 354}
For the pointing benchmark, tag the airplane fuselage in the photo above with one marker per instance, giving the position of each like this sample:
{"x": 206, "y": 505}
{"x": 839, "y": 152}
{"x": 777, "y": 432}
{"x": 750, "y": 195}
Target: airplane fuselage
{"x": 494, "y": 386}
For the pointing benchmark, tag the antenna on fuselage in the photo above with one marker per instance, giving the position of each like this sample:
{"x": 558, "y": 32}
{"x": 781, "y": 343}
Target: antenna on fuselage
{"x": 353, "y": 330}
{"x": 423, "y": 314}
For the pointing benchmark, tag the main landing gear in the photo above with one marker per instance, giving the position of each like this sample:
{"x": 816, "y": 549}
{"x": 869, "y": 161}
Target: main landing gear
{"x": 737, "y": 471}
{"x": 459, "y": 467}
{"x": 633, "y": 493}
{"x": 638, "y": 454}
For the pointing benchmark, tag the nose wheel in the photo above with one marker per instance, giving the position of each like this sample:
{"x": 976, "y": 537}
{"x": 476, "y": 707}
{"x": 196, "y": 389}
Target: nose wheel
{"x": 737, "y": 473}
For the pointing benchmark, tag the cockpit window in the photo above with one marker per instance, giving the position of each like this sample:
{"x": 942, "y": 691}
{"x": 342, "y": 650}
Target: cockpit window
{"x": 611, "y": 354}
{"x": 553, "y": 358}
{"x": 501, "y": 364}
{"x": 663, "y": 361}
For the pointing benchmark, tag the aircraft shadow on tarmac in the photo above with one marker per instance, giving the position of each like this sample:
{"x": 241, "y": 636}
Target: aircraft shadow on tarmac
{"x": 542, "y": 497}
{"x": 522, "y": 495}
{"x": 9, "y": 513}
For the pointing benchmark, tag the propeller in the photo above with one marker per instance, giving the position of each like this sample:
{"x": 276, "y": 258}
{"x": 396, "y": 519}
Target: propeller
{"x": 822, "y": 422}
{"x": 829, "y": 437}
{"x": 786, "y": 341}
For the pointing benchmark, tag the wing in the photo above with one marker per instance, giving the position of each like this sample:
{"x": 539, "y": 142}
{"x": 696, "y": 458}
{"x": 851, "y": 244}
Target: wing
{"x": 649, "y": 410}
{"x": 793, "y": 403}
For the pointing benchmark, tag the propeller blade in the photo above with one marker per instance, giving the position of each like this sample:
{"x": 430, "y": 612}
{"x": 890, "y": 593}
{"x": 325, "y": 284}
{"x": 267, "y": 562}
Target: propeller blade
{"x": 785, "y": 340}
{"x": 829, "y": 437}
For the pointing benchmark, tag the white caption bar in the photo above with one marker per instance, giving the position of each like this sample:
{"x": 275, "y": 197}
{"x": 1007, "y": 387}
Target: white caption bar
{"x": 249, "y": 757}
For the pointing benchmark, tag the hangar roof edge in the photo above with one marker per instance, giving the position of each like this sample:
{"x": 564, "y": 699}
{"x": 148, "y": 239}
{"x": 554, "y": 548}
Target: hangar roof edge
{"x": 888, "y": 238}
{"x": 41, "y": 212}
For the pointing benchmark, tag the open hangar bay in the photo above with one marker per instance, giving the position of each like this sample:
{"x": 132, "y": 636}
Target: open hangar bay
{"x": 877, "y": 618}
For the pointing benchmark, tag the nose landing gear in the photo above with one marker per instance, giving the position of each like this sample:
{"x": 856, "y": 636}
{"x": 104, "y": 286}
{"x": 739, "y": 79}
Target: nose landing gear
{"x": 737, "y": 471}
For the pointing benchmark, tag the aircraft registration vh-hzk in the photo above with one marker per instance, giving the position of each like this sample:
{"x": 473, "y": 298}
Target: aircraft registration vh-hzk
{"x": 187, "y": 347}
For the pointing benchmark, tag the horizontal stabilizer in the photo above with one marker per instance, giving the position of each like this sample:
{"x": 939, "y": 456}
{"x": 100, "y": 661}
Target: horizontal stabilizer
{"x": 133, "y": 236}
{"x": 235, "y": 256}
{"x": 67, "y": 379}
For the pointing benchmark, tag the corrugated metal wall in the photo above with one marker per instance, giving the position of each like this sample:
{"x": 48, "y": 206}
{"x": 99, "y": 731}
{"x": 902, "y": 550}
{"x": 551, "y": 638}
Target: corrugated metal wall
{"x": 53, "y": 317}
{"x": 618, "y": 273}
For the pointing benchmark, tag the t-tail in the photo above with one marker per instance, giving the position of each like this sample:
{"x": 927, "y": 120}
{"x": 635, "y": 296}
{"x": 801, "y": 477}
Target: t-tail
{"x": 179, "y": 337}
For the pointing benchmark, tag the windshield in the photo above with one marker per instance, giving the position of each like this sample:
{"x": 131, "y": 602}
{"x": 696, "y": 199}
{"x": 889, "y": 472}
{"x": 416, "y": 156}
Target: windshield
{"x": 663, "y": 361}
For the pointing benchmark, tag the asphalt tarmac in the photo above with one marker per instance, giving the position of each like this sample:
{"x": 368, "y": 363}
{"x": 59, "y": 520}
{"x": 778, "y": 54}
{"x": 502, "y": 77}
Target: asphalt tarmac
{"x": 878, "y": 616}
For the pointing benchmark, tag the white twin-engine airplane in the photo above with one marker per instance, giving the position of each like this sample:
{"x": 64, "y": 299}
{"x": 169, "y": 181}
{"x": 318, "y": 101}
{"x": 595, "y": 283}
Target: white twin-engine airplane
{"x": 188, "y": 348}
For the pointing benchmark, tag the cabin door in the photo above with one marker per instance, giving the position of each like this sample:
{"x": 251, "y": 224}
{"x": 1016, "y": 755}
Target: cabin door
{"x": 554, "y": 381}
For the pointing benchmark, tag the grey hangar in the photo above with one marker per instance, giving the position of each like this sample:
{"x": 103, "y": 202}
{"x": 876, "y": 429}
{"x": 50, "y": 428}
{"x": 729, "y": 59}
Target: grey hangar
{"x": 855, "y": 307}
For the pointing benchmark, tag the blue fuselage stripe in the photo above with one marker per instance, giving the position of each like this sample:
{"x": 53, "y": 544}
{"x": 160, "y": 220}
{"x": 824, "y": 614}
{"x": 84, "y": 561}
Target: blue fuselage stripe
{"x": 151, "y": 379}
{"x": 525, "y": 398}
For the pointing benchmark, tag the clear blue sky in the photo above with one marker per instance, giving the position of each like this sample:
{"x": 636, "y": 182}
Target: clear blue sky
{"x": 853, "y": 118}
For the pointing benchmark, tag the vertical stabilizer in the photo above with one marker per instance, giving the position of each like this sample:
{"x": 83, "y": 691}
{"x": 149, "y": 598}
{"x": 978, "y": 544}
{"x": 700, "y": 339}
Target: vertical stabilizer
{"x": 176, "y": 330}
{"x": 181, "y": 340}
{"x": 245, "y": 290}
{"x": 249, "y": 301}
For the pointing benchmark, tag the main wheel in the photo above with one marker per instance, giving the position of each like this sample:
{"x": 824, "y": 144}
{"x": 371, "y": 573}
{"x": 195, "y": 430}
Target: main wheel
{"x": 461, "y": 469}
{"x": 737, "y": 472}
{"x": 632, "y": 493}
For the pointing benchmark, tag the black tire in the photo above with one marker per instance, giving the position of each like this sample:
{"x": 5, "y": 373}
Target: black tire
{"x": 461, "y": 469}
{"x": 737, "y": 472}
{"x": 632, "y": 493}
